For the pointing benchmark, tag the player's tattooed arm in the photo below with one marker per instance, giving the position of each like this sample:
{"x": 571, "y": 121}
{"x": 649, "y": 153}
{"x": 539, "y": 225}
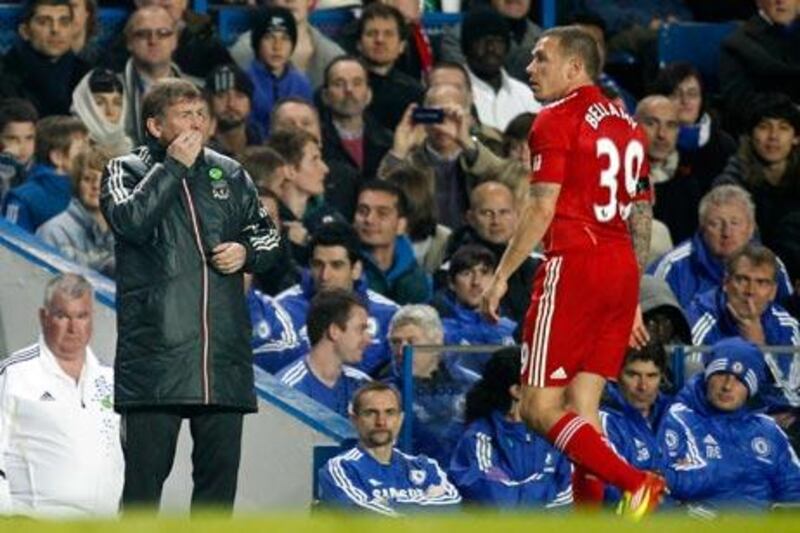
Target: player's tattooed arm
{"x": 640, "y": 224}
{"x": 544, "y": 190}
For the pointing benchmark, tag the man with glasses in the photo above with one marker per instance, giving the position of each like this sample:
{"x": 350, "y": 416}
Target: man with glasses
{"x": 198, "y": 49}
{"x": 41, "y": 56}
{"x": 151, "y": 38}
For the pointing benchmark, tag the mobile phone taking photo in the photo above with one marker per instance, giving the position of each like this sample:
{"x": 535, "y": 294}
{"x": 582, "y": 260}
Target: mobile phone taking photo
{"x": 427, "y": 115}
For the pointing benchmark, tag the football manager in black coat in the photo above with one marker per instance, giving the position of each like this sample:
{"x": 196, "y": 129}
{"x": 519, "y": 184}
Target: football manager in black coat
{"x": 188, "y": 223}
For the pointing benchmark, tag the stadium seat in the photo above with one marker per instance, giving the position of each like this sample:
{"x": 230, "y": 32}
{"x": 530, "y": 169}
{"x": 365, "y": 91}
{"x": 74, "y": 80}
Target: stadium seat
{"x": 697, "y": 43}
{"x": 234, "y": 20}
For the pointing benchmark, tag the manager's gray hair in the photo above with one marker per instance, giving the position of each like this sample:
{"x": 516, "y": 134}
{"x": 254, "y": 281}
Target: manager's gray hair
{"x": 70, "y": 285}
{"x": 727, "y": 194}
{"x": 424, "y": 317}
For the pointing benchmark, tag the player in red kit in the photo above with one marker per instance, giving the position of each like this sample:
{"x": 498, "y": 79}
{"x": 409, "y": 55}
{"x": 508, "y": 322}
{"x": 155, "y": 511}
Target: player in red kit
{"x": 590, "y": 206}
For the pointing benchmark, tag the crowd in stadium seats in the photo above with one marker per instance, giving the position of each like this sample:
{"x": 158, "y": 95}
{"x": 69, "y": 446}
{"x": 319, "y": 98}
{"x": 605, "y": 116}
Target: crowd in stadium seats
{"x": 393, "y": 161}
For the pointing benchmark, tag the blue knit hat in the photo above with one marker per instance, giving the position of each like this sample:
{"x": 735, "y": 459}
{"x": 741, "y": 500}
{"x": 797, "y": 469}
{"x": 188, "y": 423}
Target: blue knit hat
{"x": 739, "y": 357}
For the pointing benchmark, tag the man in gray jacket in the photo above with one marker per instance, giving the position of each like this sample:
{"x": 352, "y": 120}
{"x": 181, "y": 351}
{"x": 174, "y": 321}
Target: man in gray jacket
{"x": 187, "y": 223}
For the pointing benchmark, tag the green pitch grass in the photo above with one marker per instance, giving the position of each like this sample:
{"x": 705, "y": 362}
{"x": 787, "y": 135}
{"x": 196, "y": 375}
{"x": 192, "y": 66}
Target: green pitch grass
{"x": 457, "y": 523}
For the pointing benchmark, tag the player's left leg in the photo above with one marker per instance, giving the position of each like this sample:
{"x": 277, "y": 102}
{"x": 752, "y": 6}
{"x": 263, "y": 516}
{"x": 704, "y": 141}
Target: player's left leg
{"x": 577, "y": 435}
{"x": 588, "y": 490}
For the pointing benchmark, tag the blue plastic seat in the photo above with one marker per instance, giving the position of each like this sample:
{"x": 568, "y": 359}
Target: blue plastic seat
{"x": 695, "y": 42}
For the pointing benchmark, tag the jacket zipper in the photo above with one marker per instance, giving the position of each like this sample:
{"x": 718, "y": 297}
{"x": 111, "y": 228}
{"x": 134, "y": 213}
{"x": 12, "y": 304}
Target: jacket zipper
{"x": 204, "y": 298}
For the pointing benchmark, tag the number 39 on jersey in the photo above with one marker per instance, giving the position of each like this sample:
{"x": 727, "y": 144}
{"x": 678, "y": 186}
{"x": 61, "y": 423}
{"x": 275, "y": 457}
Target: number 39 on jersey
{"x": 630, "y": 161}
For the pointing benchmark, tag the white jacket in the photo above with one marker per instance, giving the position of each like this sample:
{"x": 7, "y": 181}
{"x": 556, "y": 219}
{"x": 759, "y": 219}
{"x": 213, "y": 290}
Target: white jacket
{"x": 60, "y": 445}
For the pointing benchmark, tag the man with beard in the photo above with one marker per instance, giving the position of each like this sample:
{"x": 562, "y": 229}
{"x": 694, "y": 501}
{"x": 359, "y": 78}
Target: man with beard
{"x": 375, "y": 477}
{"x": 229, "y": 92}
{"x": 346, "y": 95}
{"x": 498, "y": 97}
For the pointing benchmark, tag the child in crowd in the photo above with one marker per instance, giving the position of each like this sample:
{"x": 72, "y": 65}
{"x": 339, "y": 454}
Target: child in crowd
{"x": 274, "y": 37}
{"x": 17, "y": 140}
{"x": 48, "y": 188}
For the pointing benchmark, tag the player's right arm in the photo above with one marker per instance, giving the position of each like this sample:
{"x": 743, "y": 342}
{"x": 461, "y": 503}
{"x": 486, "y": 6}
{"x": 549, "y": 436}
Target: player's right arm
{"x": 535, "y": 219}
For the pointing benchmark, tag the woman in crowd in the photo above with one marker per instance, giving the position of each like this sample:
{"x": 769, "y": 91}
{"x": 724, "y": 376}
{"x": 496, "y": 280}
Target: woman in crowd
{"x": 84, "y": 24}
{"x": 704, "y": 148}
{"x": 100, "y": 104}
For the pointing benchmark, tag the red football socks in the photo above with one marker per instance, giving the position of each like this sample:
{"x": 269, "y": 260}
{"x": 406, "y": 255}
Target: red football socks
{"x": 587, "y": 489}
{"x": 576, "y": 438}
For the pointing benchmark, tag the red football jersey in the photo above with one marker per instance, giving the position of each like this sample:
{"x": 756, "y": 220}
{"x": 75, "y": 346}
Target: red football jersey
{"x": 597, "y": 152}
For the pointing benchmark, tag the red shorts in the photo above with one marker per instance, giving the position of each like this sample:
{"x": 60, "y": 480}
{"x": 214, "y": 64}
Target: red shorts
{"x": 581, "y": 315}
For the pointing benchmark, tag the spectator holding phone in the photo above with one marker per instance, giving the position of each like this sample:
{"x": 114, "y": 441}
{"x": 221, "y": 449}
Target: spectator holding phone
{"x": 436, "y": 139}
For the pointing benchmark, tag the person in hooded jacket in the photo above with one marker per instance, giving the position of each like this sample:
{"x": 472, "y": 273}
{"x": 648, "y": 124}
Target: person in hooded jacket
{"x": 727, "y": 224}
{"x": 469, "y": 273}
{"x": 100, "y": 103}
{"x": 720, "y": 453}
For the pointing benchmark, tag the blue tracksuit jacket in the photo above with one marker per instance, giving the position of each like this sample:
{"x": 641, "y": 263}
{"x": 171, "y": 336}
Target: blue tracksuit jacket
{"x": 279, "y": 325}
{"x": 690, "y": 269}
{"x": 632, "y": 435}
{"x": 711, "y": 321}
{"x": 720, "y": 459}
{"x": 356, "y": 480}
{"x": 504, "y": 464}
{"x": 438, "y": 406}
{"x": 44, "y": 194}
{"x": 337, "y": 398}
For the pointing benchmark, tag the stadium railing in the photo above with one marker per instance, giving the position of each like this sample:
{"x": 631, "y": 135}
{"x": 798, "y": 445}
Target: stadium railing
{"x": 683, "y": 360}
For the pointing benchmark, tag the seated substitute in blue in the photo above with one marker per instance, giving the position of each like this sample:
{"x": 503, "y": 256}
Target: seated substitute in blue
{"x": 374, "y": 476}
{"x": 721, "y": 453}
{"x": 280, "y": 336}
{"x": 339, "y": 332}
{"x": 499, "y": 461}
{"x": 632, "y": 409}
{"x": 727, "y": 224}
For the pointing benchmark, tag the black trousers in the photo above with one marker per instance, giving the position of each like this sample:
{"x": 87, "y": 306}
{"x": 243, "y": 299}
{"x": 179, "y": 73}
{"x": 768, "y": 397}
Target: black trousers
{"x": 149, "y": 438}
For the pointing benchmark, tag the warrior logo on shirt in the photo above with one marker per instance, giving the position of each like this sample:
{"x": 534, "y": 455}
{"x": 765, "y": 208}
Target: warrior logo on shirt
{"x": 220, "y": 190}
